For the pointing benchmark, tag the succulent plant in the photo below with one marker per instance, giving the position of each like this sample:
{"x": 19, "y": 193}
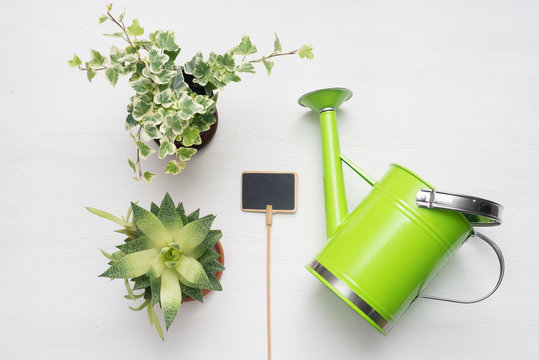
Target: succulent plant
{"x": 168, "y": 254}
{"x": 166, "y": 108}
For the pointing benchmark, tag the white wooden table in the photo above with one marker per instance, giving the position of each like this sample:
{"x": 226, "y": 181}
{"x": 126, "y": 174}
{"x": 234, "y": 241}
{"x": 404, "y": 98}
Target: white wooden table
{"x": 449, "y": 89}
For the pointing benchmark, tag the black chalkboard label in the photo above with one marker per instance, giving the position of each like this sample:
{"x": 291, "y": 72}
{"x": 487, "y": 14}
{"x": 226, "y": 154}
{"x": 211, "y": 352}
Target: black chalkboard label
{"x": 259, "y": 189}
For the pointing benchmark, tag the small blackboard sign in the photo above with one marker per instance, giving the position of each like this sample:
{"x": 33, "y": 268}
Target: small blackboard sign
{"x": 278, "y": 189}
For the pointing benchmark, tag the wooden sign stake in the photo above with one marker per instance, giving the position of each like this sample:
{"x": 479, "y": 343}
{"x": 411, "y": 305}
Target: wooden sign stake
{"x": 269, "y": 192}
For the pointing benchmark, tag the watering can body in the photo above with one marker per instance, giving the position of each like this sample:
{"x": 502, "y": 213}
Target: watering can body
{"x": 380, "y": 257}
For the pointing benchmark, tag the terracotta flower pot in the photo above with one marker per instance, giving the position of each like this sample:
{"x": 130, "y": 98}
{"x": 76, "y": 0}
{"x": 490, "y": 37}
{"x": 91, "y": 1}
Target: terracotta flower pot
{"x": 219, "y": 248}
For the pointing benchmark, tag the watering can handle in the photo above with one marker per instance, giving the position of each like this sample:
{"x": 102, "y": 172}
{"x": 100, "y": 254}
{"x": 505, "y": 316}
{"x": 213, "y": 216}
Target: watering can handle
{"x": 499, "y": 253}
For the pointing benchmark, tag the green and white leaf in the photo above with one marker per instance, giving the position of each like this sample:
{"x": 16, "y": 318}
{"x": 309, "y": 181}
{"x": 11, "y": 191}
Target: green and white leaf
{"x": 213, "y": 266}
{"x": 148, "y": 176}
{"x": 246, "y": 67}
{"x": 166, "y": 148}
{"x": 164, "y": 98}
{"x": 75, "y": 62}
{"x": 135, "y": 29}
{"x": 215, "y": 284}
{"x": 191, "y": 136}
{"x": 97, "y": 60}
{"x": 186, "y": 153}
{"x": 171, "y": 295}
{"x": 178, "y": 83}
{"x": 189, "y": 67}
{"x": 141, "y": 108}
{"x": 145, "y": 150}
{"x": 90, "y": 73}
{"x": 141, "y": 282}
{"x": 155, "y": 286}
{"x": 245, "y": 47}
{"x": 157, "y": 60}
{"x": 142, "y": 85}
{"x": 277, "y": 45}
{"x": 113, "y": 73}
{"x": 306, "y": 52}
{"x": 192, "y": 292}
{"x": 131, "y": 265}
{"x": 174, "y": 167}
{"x": 268, "y": 65}
{"x": 166, "y": 40}
{"x": 226, "y": 61}
{"x": 189, "y": 107}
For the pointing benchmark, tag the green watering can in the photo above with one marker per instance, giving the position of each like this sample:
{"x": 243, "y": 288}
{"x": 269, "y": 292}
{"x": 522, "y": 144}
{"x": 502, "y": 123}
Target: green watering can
{"x": 380, "y": 257}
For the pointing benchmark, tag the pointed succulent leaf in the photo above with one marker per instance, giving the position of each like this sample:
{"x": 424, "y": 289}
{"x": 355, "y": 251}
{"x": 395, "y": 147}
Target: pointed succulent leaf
{"x": 171, "y": 295}
{"x": 166, "y": 148}
{"x": 171, "y": 264}
{"x": 150, "y": 225}
{"x": 145, "y": 150}
{"x": 181, "y": 211}
{"x": 215, "y": 284}
{"x": 106, "y": 215}
{"x": 191, "y": 136}
{"x": 194, "y": 233}
{"x": 148, "y": 176}
{"x": 192, "y": 273}
{"x": 192, "y": 292}
{"x": 209, "y": 242}
{"x": 213, "y": 266}
{"x": 155, "y": 285}
{"x": 135, "y": 29}
{"x": 306, "y": 52}
{"x": 277, "y": 45}
{"x": 75, "y": 62}
{"x": 131, "y": 265}
{"x": 209, "y": 255}
{"x": 156, "y": 267}
{"x": 154, "y": 209}
{"x": 193, "y": 216}
{"x": 248, "y": 68}
{"x": 141, "y": 282}
{"x": 139, "y": 244}
{"x": 245, "y": 47}
{"x": 169, "y": 216}
{"x": 166, "y": 40}
{"x": 189, "y": 67}
{"x": 107, "y": 255}
{"x": 157, "y": 60}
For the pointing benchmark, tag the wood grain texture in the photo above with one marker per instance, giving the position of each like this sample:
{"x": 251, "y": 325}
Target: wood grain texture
{"x": 449, "y": 89}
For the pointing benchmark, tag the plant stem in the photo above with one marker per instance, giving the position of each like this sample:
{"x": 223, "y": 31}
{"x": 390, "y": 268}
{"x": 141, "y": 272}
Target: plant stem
{"x": 293, "y": 52}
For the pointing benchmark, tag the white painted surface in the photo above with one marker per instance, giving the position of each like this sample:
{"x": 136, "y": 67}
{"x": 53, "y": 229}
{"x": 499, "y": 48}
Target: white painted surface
{"x": 448, "y": 88}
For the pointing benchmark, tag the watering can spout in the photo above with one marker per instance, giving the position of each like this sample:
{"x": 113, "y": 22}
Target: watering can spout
{"x": 326, "y": 101}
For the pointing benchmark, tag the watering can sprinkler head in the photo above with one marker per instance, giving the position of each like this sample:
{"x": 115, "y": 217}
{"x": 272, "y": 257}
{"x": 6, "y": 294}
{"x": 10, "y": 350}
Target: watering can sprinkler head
{"x": 325, "y": 99}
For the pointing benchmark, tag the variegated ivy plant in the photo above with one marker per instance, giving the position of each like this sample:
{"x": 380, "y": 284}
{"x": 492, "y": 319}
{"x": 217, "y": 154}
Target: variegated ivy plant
{"x": 165, "y": 108}
{"x": 168, "y": 254}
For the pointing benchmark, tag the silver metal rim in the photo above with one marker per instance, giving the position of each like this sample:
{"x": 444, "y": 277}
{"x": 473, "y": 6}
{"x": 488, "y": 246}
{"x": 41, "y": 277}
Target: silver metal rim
{"x": 355, "y": 299}
{"x": 479, "y": 212}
